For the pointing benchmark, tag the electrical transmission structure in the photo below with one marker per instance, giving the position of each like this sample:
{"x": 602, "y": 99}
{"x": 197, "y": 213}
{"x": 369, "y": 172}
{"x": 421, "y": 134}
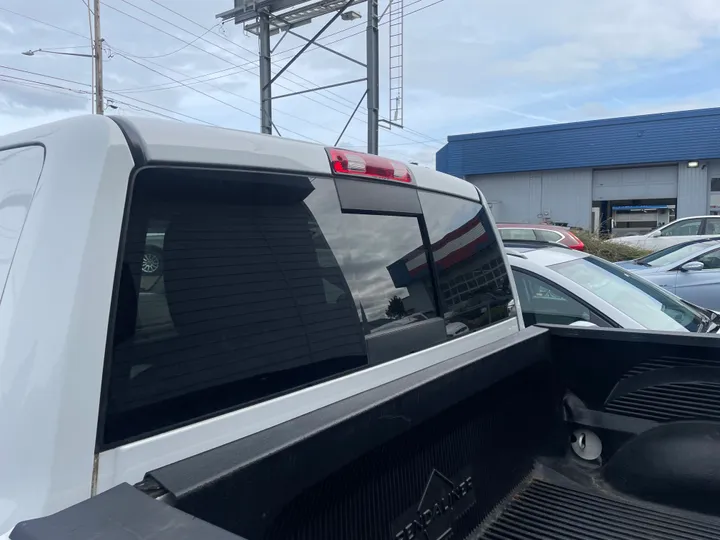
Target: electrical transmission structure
{"x": 267, "y": 18}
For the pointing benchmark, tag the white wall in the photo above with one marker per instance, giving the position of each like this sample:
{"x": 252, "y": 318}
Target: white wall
{"x": 565, "y": 195}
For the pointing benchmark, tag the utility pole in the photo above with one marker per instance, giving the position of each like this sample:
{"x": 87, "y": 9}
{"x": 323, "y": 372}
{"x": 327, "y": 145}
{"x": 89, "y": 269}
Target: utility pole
{"x": 373, "y": 77}
{"x": 98, "y": 54}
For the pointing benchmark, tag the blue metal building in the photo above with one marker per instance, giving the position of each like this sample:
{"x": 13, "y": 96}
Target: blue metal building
{"x": 577, "y": 173}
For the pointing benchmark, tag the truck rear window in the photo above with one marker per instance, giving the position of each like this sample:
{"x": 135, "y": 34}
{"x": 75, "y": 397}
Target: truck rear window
{"x": 235, "y": 287}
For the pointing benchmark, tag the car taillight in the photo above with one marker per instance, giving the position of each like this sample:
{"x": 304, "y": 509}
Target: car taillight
{"x": 368, "y": 166}
{"x": 577, "y": 243}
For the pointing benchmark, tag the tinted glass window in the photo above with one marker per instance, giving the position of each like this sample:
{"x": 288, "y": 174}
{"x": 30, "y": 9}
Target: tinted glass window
{"x": 689, "y": 227}
{"x": 715, "y": 184}
{"x": 517, "y": 234}
{"x": 474, "y": 284}
{"x": 711, "y": 260}
{"x": 548, "y": 236}
{"x": 674, "y": 254}
{"x": 643, "y": 302}
{"x": 543, "y": 303}
{"x": 236, "y": 287}
{"x": 712, "y": 226}
{"x": 19, "y": 173}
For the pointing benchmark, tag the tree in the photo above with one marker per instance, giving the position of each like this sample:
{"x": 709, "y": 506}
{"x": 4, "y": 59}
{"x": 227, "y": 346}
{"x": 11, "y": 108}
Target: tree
{"x": 395, "y": 309}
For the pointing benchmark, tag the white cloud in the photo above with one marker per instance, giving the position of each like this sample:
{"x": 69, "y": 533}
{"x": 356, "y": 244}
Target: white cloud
{"x": 469, "y": 66}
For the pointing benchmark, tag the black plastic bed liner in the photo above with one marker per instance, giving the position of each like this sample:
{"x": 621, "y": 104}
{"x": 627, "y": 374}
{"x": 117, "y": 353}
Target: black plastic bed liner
{"x": 544, "y": 510}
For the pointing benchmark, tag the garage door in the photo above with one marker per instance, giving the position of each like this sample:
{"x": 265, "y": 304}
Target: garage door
{"x": 637, "y": 183}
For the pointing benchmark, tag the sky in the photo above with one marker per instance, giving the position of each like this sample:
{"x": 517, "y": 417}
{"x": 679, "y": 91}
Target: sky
{"x": 469, "y": 66}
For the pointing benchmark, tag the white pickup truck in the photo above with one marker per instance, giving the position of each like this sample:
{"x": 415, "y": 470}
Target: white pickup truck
{"x": 215, "y": 335}
{"x": 280, "y": 264}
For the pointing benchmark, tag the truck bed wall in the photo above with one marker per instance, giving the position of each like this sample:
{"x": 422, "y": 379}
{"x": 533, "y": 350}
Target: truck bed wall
{"x": 654, "y": 399}
{"x": 363, "y": 467}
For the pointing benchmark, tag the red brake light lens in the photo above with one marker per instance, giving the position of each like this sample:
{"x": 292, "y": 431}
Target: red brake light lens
{"x": 579, "y": 244}
{"x": 368, "y": 166}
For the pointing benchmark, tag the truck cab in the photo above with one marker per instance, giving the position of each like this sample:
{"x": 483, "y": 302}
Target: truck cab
{"x": 167, "y": 289}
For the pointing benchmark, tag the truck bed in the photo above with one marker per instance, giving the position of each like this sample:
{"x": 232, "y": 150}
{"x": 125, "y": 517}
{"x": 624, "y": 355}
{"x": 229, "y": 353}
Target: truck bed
{"x": 477, "y": 447}
{"x": 556, "y": 509}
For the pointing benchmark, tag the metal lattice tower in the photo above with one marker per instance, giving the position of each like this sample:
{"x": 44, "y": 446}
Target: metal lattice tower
{"x": 396, "y": 15}
{"x": 266, "y": 18}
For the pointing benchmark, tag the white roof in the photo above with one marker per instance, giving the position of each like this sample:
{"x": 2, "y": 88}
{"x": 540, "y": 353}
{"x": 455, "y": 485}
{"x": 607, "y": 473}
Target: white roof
{"x": 167, "y": 141}
{"x": 546, "y": 255}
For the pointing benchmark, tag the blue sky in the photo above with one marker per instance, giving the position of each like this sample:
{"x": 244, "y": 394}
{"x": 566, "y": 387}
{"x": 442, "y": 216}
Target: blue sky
{"x": 469, "y": 66}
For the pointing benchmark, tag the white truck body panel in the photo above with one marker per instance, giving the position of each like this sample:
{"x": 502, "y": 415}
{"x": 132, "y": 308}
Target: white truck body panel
{"x": 55, "y": 311}
{"x": 52, "y": 338}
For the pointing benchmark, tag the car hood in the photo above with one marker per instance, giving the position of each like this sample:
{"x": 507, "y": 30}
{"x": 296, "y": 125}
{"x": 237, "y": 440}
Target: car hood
{"x": 628, "y": 264}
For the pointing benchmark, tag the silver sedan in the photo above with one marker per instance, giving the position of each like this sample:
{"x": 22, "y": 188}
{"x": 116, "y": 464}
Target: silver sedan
{"x": 561, "y": 286}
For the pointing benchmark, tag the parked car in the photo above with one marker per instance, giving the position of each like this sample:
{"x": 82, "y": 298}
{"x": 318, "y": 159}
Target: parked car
{"x": 557, "y": 285}
{"x": 542, "y": 232}
{"x": 676, "y": 232}
{"x": 690, "y": 270}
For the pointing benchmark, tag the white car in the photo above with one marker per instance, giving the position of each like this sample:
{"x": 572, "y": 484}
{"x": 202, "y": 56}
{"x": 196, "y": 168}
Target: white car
{"x": 557, "y": 285}
{"x": 680, "y": 230}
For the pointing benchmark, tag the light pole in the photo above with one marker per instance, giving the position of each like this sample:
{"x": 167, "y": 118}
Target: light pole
{"x": 97, "y": 78}
{"x": 97, "y": 81}
{"x": 33, "y": 52}
{"x": 98, "y": 109}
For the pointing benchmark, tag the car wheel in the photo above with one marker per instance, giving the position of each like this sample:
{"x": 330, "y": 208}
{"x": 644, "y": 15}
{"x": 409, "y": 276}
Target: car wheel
{"x": 152, "y": 263}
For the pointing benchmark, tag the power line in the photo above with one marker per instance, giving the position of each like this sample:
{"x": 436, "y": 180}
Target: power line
{"x": 351, "y": 104}
{"x": 309, "y": 122}
{"x": 42, "y": 22}
{"x": 183, "y": 83}
{"x": 253, "y": 63}
{"x": 245, "y": 49}
{"x": 181, "y": 48}
{"x": 215, "y": 98}
{"x": 109, "y": 91}
{"x": 159, "y": 73}
{"x": 234, "y": 67}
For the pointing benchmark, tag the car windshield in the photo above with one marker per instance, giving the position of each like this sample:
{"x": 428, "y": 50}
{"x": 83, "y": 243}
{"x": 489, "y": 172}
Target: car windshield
{"x": 673, "y": 254}
{"x": 640, "y": 300}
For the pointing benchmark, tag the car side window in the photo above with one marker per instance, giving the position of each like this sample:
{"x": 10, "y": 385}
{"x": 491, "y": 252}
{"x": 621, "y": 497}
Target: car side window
{"x": 711, "y": 260}
{"x": 547, "y": 236}
{"x": 517, "y": 234}
{"x": 475, "y": 290}
{"x": 543, "y": 303}
{"x": 712, "y": 226}
{"x": 689, "y": 227}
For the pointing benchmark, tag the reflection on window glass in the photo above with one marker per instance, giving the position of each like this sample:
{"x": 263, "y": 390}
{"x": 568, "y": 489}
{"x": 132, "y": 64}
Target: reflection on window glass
{"x": 548, "y": 236}
{"x": 711, "y": 260}
{"x": 517, "y": 234}
{"x": 689, "y": 227}
{"x": 712, "y": 226}
{"x": 475, "y": 288}
{"x": 673, "y": 254}
{"x": 236, "y": 287}
{"x": 644, "y": 303}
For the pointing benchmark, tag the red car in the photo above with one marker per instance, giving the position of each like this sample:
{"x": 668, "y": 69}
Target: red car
{"x": 542, "y": 232}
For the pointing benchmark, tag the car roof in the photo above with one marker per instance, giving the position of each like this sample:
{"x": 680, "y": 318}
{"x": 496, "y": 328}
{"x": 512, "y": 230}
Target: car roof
{"x": 531, "y": 226}
{"x": 542, "y": 253}
{"x": 161, "y": 141}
